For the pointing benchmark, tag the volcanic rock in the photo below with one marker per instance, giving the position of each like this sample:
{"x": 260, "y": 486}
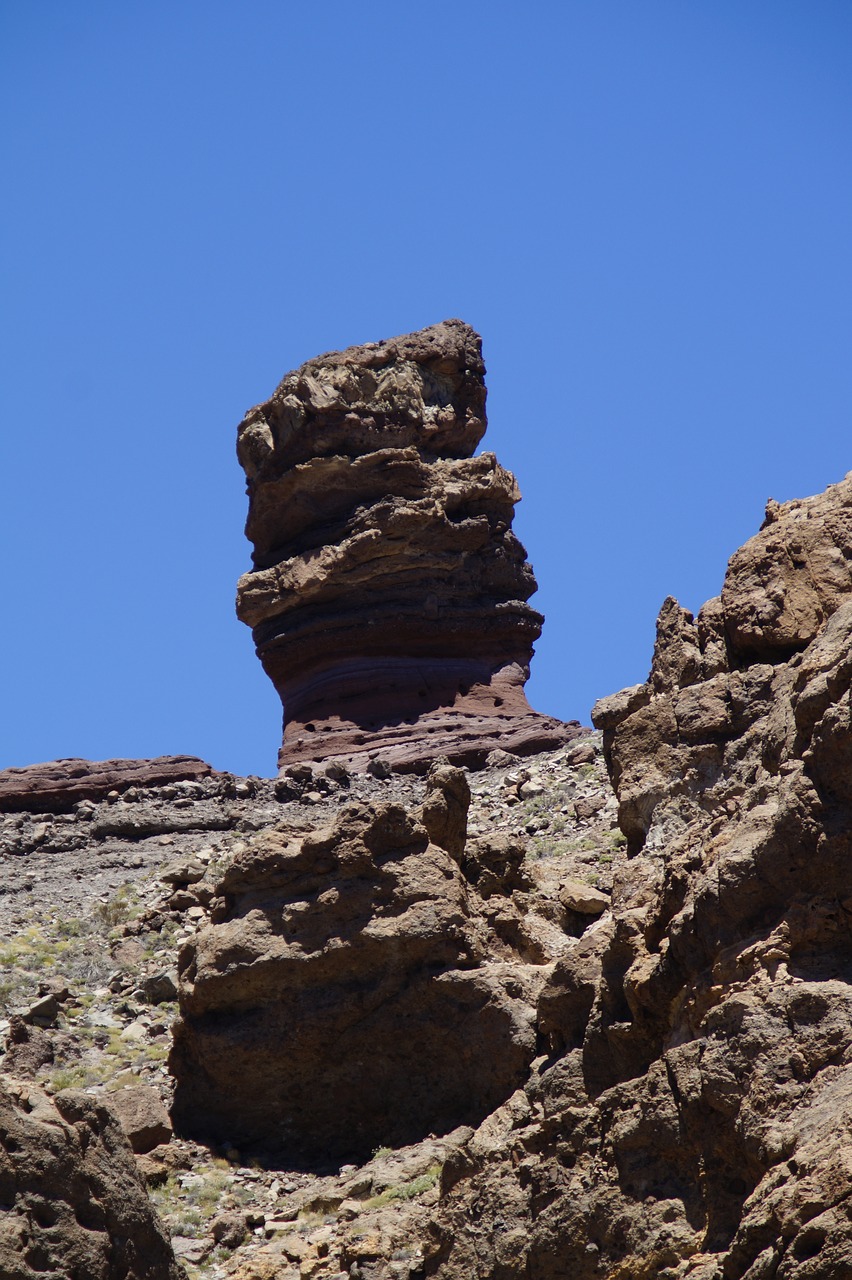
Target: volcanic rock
{"x": 389, "y": 596}
{"x": 73, "y": 1203}
{"x": 345, "y": 983}
{"x": 57, "y": 786}
{"x": 693, "y": 1118}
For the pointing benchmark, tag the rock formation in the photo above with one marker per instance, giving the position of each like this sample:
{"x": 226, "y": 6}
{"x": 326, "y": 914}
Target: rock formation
{"x": 73, "y": 1204}
{"x": 613, "y": 1055}
{"x": 389, "y": 596}
{"x": 693, "y": 1116}
{"x": 59, "y": 785}
{"x": 345, "y": 981}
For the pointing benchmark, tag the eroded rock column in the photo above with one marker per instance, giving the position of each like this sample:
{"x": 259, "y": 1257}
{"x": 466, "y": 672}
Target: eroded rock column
{"x": 388, "y": 599}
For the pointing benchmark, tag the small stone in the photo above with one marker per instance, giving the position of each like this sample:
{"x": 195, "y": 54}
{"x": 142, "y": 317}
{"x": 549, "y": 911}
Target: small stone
{"x": 576, "y": 896}
{"x": 134, "y": 1033}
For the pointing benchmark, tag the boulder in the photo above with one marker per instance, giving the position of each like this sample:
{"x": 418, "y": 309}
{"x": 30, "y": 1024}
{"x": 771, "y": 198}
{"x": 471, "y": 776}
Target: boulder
{"x": 142, "y": 1116}
{"x": 790, "y": 577}
{"x": 576, "y": 896}
{"x": 344, "y": 982}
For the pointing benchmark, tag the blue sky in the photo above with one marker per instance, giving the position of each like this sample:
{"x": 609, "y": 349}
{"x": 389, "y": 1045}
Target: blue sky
{"x": 644, "y": 208}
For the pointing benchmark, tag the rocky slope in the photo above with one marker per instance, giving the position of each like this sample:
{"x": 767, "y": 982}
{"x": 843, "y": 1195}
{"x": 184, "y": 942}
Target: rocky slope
{"x": 105, "y": 901}
{"x": 389, "y": 596}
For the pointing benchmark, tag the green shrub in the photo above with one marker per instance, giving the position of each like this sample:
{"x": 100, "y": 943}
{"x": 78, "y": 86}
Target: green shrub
{"x": 407, "y": 1190}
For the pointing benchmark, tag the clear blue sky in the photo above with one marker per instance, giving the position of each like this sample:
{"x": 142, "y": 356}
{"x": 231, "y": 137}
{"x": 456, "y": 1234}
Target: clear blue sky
{"x": 644, "y": 207}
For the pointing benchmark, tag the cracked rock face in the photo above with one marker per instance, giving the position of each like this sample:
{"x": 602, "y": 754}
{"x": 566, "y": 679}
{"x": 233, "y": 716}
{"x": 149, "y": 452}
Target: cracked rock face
{"x": 388, "y": 599}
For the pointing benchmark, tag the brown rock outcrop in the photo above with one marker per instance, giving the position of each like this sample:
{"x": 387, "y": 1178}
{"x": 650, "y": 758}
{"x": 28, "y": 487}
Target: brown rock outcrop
{"x": 693, "y": 1118}
{"x": 345, "y": 982}
{"x": 58, "y": 785}
{"x": 389, "y": 596}
{"x": 73, "y": 1204}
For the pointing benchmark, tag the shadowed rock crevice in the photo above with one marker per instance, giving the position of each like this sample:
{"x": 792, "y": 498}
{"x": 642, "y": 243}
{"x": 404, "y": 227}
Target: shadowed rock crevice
{"x": 389, "y": 596}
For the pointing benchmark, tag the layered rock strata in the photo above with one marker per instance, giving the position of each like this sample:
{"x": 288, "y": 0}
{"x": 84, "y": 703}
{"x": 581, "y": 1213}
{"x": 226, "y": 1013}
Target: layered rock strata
{"x": 73, "y": 1202}
{"x": 693, "y": 1117}
{"x": 388, "y": 600}
{"x": 57, "y": 786}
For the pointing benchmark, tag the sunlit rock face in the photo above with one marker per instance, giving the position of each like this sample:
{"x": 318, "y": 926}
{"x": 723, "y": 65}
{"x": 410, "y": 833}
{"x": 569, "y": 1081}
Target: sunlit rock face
{"x": 388, "y": 599}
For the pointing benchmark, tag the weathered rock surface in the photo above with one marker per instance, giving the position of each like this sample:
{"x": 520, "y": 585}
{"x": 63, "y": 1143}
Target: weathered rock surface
{"x": 73, "y": 1204}
{"x": 57, "y": 786}
{"x": 389, "y": 596}
{"x": 345, "y": 981}
{"x": 693, "y": 1117}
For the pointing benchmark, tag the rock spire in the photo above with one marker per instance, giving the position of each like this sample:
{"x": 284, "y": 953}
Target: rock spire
{"x": 388, "y": 598}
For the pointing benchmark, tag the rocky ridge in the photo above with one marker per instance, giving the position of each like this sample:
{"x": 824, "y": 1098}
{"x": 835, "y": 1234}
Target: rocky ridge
{"x": 388, "y": 601}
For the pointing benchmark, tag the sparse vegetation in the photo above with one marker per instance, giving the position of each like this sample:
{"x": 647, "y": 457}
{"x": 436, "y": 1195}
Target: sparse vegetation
{"x": 116, "y": 910}
{"x": 406, "y": 1190}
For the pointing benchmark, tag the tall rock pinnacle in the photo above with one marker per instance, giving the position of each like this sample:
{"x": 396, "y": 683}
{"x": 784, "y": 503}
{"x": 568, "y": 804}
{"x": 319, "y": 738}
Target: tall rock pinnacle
{"x": 388, "y": 599}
